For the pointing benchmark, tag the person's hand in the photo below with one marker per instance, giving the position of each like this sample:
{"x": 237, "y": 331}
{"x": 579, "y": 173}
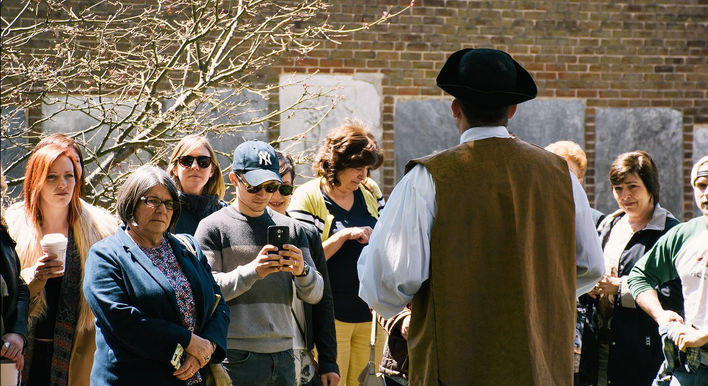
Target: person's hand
{"x": 291, "y": 259}
{"x": 360, "y": 234}
{"x": 188, "y": 368}
{"x": 20, "y": 363}
{"x": 48, "y": 267}
{"x": 667, "y": 316}
{"x": 595, "y": 292}
{"x": 405, "y": 326}
{"x": 268, "y": 261}
{"x": 201, "y": 349}
{"x": 12, "y": 348}
{"x": 329, "y": 379}
{"x": 609, "y": 285}
{"x": 687, "y": 336}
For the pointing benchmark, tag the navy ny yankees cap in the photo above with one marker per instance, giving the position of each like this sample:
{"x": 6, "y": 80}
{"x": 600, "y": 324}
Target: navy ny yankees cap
{"x": 257, "y": 161}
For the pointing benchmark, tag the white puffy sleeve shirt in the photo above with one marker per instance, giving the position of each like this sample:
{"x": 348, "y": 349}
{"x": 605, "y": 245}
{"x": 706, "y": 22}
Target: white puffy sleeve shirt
{"x": 397, "y": 260}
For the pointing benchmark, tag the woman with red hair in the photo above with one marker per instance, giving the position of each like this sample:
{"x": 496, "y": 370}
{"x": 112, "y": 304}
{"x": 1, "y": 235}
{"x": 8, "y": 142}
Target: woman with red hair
{"x": 61, "y": 334}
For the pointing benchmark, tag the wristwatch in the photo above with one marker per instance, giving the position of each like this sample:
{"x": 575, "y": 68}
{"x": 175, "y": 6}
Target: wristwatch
{"x": 305, "y": 271}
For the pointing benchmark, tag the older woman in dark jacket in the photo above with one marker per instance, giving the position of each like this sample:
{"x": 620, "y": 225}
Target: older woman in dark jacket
{"x": 153, "y": 293}
{"x": 629, "y": 343}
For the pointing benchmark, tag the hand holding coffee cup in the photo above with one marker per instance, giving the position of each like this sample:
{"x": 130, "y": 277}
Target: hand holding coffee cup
{"x": 51, "y": 264}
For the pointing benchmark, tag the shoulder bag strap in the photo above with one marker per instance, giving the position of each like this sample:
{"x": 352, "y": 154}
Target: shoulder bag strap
{"x": 299, "y": 327}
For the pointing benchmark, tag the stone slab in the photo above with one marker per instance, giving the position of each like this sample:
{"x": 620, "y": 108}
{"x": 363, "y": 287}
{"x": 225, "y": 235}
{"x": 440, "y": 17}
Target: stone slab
{"x": 422, "y": 127}
{"x": 700, "y": 150}
{"x": 357, "y": 96}
{"x": 14, "y": 122}
{"x": 658, "y": 131}
{"x": 231, "y": 107}
{"x": 544, "y": 121}
{"x": 228, "y": 107}
{"x": 426, "y": 126}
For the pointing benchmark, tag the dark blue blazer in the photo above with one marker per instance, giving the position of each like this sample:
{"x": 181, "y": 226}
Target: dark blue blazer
{"x": 138, "y": 323}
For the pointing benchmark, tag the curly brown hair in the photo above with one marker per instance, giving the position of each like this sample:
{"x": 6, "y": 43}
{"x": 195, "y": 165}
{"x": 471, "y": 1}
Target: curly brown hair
{"x": 350, "y": 145}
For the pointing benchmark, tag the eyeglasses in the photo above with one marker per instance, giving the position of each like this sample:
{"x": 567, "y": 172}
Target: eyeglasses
{"x": 270, "y": 187}
{"x": 285, "y": 190}
{"x": 155, "y": 202}
{"x": 187, "y": 160}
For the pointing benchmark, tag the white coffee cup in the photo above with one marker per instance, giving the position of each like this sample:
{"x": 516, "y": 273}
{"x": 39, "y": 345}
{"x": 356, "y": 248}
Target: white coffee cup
{"x": 9, "y": 373}
{"x": 55, "y": 243}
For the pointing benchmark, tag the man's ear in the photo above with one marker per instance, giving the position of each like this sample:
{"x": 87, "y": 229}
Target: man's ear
{"x": 455, "y": 107}
{"x": 232, "y": 177}
{"x": 512, "y": 111}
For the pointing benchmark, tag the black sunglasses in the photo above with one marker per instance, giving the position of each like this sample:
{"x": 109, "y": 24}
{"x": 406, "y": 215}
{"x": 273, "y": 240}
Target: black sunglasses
{"x": 155, "y": 202}
{"x": 270, "y": 187}
{"x": 187, "y": 160}
{"x": 285, "y": 190}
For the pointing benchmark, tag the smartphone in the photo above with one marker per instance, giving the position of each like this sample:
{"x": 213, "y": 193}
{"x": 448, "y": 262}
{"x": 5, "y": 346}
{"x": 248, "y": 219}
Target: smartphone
{"x": 278, "y": 236}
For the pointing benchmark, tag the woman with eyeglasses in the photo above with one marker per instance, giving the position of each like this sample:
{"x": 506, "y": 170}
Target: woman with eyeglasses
{"x": 60, "y": 341}
{"x": 159, "y": 313}
{"x": 195, "y": 169}
{"x": 344, "y": 204}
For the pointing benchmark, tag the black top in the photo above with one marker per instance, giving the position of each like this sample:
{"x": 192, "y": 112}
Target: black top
{"x": 194, "y": 209}
{"x": 15, "y": 303}
{"x": 319, "y": 318}
{"x": 348, "y": 306}
{"x": 55, "y": 295}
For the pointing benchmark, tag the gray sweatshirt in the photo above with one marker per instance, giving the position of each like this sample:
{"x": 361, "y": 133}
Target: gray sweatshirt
{"x": 261, "y": 320}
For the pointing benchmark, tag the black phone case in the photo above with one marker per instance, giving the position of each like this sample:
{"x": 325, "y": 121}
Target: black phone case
{"x": 278, "y": 235}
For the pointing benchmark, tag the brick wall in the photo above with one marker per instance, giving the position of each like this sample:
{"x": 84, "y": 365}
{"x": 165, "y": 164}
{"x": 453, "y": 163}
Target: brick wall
{"x": 611, "y": 54}
{"x": 635, "y": 53}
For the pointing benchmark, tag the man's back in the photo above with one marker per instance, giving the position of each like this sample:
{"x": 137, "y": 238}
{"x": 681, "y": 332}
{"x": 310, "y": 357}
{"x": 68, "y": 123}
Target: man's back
{"x": 502, "y": 260}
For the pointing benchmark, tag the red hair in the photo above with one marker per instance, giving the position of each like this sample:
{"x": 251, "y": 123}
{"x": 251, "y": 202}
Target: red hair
{"x": 36, "y": 176}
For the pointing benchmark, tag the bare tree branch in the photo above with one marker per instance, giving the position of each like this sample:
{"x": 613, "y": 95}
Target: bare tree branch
{"x": 141, "y": 76}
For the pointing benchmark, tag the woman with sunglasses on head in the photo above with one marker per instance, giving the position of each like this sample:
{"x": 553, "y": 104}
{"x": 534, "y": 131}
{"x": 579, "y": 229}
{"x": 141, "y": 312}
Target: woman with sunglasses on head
{"x": 314, "y": 322}
{"x": 61, "y": 336}
{"x": 157, "y": 311}
{"x": 344, "y": 204}
{"x": 195, "y": 169}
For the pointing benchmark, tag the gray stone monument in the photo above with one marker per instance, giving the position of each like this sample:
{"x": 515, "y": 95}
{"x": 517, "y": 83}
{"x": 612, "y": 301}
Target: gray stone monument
{"x": 15, "y": 122}
{"x": 426, "y": 126}
{"x": 237, "y": 108}
{"x": 544, "y": 121}
{"x": 304, "y": 126}
{"x": 658, "y": 131}
{"x": 229, "y": 107}
{"x": 422, "y": 127}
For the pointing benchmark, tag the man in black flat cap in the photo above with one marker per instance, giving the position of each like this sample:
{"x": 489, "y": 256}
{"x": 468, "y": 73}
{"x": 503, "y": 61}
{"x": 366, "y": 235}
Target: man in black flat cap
{"x": 490, "y": 240}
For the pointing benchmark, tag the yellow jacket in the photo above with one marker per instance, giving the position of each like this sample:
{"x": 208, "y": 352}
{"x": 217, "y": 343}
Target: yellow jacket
{"x": 308, "y": 204}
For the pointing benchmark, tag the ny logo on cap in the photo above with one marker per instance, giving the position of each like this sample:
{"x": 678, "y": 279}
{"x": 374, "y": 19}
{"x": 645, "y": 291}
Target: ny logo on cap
{"x": 264, "y": 158}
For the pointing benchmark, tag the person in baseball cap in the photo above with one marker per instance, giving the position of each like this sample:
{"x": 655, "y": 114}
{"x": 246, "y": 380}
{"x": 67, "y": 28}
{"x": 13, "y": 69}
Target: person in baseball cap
{"x": 259, "y": 279}
{"x": 257, "y": 162}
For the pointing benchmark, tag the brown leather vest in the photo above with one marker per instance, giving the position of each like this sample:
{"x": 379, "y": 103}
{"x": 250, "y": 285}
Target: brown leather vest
{"x": 499, "y": 307}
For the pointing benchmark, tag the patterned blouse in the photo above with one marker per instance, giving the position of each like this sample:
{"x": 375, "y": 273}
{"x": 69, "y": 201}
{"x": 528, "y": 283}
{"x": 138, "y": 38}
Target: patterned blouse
{"x": 164, "y": 259}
